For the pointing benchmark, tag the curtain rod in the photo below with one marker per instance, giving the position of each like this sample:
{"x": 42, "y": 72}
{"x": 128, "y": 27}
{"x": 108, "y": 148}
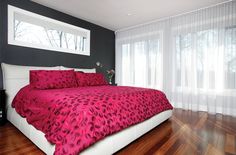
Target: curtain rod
{"x": 165, "y": 18}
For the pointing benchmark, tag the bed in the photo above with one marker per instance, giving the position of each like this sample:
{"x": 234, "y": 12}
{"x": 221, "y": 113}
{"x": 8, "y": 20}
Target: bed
{"x": 16, "y": 77}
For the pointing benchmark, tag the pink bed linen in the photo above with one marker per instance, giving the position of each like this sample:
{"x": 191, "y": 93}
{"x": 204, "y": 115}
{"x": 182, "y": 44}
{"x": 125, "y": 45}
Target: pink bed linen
{"x": 75, "y": 118}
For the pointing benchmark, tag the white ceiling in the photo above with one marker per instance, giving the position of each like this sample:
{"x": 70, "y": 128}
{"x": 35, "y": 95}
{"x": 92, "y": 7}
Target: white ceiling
{"x": 119, "y": 14}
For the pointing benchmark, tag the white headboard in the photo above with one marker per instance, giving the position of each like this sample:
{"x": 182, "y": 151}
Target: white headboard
{"x": 15, "y": 77}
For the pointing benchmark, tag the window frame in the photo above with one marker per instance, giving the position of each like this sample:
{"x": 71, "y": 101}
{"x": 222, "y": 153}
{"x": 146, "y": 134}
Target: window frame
{"x": 11, "y": 26}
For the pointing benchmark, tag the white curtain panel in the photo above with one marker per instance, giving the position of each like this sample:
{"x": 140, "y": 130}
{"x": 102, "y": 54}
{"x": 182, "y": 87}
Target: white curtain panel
{"x": 191, "y": 57}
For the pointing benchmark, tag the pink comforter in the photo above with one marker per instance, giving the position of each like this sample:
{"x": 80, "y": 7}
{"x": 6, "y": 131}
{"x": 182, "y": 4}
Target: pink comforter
{"x": 75, "y": 118}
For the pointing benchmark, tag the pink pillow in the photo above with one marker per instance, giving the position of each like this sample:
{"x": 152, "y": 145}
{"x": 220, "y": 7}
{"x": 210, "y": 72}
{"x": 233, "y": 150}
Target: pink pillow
{"x": 52, "y": 79}
{"x": 82, "y": 79}
{"x": 90, "y": 79}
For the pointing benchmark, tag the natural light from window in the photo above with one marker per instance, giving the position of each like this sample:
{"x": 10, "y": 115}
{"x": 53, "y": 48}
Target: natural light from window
{"x": 32, "y": 30}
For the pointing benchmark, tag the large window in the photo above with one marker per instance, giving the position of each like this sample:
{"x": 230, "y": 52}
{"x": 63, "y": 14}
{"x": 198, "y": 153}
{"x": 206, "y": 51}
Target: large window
{"x": 32, "y": 30}
{"x": 206, "y": 59}
{"x": 198, "y": 53}
{"x": 142, "y": 62}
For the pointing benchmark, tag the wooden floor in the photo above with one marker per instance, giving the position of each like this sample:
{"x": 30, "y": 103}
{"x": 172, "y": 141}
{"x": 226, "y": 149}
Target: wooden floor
{"x": 186, "y": 133}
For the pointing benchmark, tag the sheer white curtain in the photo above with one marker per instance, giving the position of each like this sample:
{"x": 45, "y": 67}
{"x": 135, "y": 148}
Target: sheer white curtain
{"x": 191, "y": 57}
{"x": 139, "y": 60}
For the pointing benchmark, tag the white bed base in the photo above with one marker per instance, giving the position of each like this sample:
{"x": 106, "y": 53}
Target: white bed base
{"x": 107, "y": 146}
{"x": 13, "y": 75}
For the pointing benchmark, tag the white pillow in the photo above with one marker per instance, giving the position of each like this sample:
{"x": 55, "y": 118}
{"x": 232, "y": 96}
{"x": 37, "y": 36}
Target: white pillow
{"x": 92, "y": 70}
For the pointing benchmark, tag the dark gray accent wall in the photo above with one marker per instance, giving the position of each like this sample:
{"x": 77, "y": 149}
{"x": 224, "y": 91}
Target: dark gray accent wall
{"x": 102, "y": 42}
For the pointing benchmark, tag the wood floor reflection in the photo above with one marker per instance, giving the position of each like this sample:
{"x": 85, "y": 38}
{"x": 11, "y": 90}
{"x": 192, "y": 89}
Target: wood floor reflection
{"x": 188, "y": 133}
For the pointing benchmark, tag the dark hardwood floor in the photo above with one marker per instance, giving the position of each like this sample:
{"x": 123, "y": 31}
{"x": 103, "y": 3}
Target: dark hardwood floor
{"x": 186, "y": 133}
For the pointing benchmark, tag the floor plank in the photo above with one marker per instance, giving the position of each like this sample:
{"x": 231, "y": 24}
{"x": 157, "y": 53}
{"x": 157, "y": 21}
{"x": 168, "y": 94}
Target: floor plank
{"x": 185, "y": 133}
{"x": 230, "y": 144}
